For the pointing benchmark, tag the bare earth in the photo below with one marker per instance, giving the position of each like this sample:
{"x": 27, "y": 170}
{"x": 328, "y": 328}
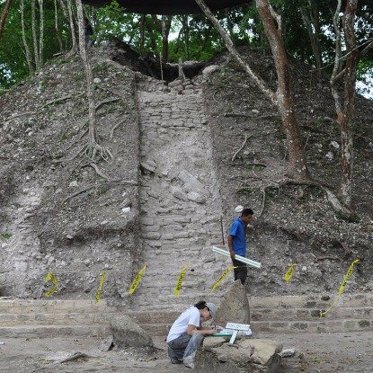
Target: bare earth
{"x": 326, "y": 353}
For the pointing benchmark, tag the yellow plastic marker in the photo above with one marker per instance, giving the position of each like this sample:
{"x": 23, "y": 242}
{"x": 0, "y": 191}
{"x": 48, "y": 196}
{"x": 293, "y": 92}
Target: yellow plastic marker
{"x": 50, "y": 277}
{"x": 100, "y": 290}
{"x": 180, "y": 281}
{"x": 341, "y": 289}
{"x": 221, "y": 278}
{"x": 137, "y": 280}
{"x": 289, "y": 273}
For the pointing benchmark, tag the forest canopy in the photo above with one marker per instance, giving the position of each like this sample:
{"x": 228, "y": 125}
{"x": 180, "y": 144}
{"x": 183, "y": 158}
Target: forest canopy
{"x": 34, "y": 31}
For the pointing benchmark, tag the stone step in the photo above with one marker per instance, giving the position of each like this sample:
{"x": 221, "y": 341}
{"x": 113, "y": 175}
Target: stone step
{"x": 23, "y": 306}
{"x": 50, "y": 331}
{"x": 311, "y": 301}
{"x": 325, "y": 326}
{"x": 291, "y": 314}
{"x": 321, "y": 326}
{"x": 78, "y": 317}
{"x": 68, "y": 318}
{"x": 257, "y": 316}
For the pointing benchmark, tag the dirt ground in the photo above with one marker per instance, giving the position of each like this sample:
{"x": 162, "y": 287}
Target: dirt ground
{"x": 325, "y": 353}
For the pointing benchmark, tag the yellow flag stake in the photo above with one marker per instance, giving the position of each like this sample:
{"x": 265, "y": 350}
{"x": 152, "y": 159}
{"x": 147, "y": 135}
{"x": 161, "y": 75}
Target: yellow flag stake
{"x": 342, "y": 287}
{"x": 50, "y": 277}
{"x": 100, "y": 290}
{"x": 180, "y": 281}
{"x": 289, "y": 273}
{"x": 222, "y": 277}
{"x": 137, "y": 280}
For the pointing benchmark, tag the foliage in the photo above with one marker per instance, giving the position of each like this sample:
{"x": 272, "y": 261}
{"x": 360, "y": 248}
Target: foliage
{"x": 192, "y": 37}
{"x": 13, "y": 64}
{"x": 5, "y": 236}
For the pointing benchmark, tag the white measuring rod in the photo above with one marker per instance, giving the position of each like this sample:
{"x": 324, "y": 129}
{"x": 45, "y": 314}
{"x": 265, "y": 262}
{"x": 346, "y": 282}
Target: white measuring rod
{"x": 240, "y": 258}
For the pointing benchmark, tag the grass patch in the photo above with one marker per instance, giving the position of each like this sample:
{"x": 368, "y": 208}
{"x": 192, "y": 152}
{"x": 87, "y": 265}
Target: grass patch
{"x": 5, "y": 236}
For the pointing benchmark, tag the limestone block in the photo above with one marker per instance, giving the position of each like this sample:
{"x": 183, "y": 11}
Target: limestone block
{"x": 147, "y": 221}
{"x": 227, "y": 352}
{"x": 191, "y": 183}
{"x": 149, "y": 166}
{"x": 211, "y": 342}
{"x": 178, "y": 193}
{"x": 263, "y": 349}
{"x": 196, "y": 197}
{"x": 234, "y": 306}
{"x": 246, "y": 355}
{"x": 127, "y": 333}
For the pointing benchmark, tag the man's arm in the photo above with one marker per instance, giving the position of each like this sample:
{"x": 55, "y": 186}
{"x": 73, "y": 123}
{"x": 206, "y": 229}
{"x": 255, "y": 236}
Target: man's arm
{"x": 205, "y": 331}
{"x": 230, "y": 246}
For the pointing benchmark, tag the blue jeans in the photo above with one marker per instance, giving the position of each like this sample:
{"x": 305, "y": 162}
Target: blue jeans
{"x": 183, "y": 346}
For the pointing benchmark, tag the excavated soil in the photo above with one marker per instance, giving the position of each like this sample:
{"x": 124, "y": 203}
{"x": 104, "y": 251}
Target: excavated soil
{"x": 324, "y": 353}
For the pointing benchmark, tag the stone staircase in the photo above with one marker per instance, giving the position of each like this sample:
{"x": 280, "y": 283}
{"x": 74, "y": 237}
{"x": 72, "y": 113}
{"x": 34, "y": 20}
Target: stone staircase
{"x": 269, "y": 315}
{"x": 179, "y": 194}
{"x": 52, "y": 318}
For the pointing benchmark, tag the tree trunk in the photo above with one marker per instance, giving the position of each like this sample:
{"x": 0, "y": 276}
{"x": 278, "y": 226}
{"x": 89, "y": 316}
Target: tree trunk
{"x": 142, "y": 34}
{"x": 297, "y": 168}
{"x": 66, "y": 16}
{"x": 231, "y": 48}
{"x": 4, "y": 15}
{"x": 56, "y": 28}
{"x": 88, "y": 73}
{"x": 310, "y": 21}
{"x": 185, "y": 23}
{"x": 93, "y": 150}
{"x": 34, "y": 36}
{"x": 297, "y": 162}
{"x": 345, "y": 108}
{"x": 166, "y": 25}
{"x": 41, "y": 32}
{"x": 72, "y": 26}
{"x": 24, "y": 40}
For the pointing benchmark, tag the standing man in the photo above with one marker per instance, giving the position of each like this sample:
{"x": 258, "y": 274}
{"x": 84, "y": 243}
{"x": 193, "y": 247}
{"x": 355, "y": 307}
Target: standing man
{"x": 186, "y": 333}
{"x": 237, "y": 243}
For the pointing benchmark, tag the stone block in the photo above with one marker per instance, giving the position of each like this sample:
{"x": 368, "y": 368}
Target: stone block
{"x": 234, "y": 306}
{"x": 151, "y": 235}
{"x": 364, "y": 323}
{"x": 196, "y": 197}
{"x": 300, "y": 325}
{"x": 247, "y": 355}
{"x": 263, "y": 349}
{"x": 127, "y": 333}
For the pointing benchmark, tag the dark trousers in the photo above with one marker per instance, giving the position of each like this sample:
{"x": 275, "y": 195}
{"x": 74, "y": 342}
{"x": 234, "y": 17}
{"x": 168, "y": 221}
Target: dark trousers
{"x": 240, "y": 273}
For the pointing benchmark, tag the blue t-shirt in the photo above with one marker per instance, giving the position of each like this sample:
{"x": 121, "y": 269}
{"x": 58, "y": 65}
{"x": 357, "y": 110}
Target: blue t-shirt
{"x": 238, "y": 233}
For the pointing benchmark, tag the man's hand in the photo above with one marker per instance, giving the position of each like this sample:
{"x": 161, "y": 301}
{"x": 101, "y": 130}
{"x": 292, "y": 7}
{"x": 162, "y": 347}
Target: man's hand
{"x": 211, "y": 331}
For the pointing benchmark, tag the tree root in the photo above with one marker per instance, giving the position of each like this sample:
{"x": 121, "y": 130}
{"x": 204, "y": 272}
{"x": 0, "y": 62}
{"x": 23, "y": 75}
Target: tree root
{"x": 64, "y": 98}
{"x": 95, "y": 152}
{"x": 100, "y": 173}
{"x": 341, "y": 211}
{"x": 70, "y": 159}
{"x": 104, "y": 102}
{"x": 263, "y": 190}
{"x": 114, "y": 128}
{"x": 89, "y": 187}
{"x": 19, "y": 115}
{"x": 242, "y": 146}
